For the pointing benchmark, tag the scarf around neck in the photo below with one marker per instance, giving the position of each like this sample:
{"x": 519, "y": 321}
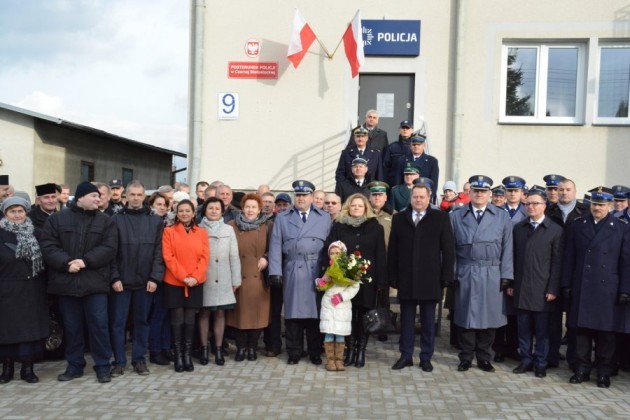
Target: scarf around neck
{"x": 353, "y": 221}
{"x": 27, "y": 246}
{"x": 212, "y": 225}
{"x": 247, "y": 225}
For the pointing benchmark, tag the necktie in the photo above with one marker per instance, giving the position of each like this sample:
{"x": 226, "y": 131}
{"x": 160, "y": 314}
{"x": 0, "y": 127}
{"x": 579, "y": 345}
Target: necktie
{"x": 303, "y": 216}
{"x": 534, "y": 224}
{"x": 479, "y": 214}
{"x": 511, "y": 212}
{"x": 359, "y": 183}
{"x": 417, "y": 218}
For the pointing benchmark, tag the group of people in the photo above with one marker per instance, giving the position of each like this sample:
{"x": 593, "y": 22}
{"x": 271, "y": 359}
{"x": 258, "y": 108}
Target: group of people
{"x": 187, "y": 272}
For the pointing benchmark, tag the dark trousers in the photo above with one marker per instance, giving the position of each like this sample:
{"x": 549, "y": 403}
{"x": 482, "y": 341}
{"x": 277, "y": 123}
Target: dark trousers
{"x": 622, "y": 353}
{"x": 555, "y": 333}
{"x": 604, "y": 351}
{"x": 273, "y": 333}
{"x": 92, "y": 308}
{"x": 119, "y": 303}
{"x": 475, "y": 342}
{"x": 247, "y": 338}
{"x": 295, "y": 328}
{"x": 408, "y": 330}
{"x": 506, "y": 337}
{"x": 159, "y": 324}
{"x": 529, "y": 324}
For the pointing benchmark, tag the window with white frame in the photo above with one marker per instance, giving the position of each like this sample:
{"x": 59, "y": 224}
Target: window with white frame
{"x": 543, "y": 83}
{"x": 613, "y": 93}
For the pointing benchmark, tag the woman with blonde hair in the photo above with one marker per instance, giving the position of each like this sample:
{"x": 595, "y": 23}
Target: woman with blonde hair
{"x": 357, "y": 227}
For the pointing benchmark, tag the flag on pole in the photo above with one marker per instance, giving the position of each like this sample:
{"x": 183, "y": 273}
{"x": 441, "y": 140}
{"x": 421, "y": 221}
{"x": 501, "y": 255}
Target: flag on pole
{"x": 353, "y": 44}
{"x": 302, "y": 36}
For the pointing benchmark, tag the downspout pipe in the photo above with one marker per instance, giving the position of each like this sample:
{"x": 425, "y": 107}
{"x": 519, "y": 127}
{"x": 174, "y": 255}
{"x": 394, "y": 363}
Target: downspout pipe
{"x": 195, "y": 93}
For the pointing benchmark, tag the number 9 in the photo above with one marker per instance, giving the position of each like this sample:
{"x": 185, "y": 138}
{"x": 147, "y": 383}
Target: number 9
{"x": 229, "y": 103}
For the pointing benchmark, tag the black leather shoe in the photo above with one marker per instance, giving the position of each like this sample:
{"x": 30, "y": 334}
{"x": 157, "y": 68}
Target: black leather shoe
{"x": 240, "y": 354}
{"x": 27, "y": 374}
{"x": 251, "y": 354}
{"x": 485, "y": 366}
{"x": 579, "y": 377}
{"x": 159, "y": 358}
{"x": 426, "y": 366}
{"x": 521, "y": 368}
{"x": 382, "y": 337}
{"x": 316, "y": 360}
{"x": 463, "y": 366}
{"x": 499, "y": 358}
{"x": 68, "y": 376}
{"x": 104, "y": 377}
{"x": 272, "y": 353}
{"x": 402, "y": 363}
{"x": 293, "y": 360}
{"x": 603, "y": 381}
{"x": 540, "y": 372}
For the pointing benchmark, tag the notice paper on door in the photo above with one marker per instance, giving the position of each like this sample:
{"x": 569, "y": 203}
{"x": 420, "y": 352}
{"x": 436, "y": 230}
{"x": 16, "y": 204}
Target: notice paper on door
{"x": 385, "y": 105}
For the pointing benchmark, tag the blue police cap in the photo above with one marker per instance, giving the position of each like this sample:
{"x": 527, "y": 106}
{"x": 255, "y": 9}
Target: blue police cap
{"x": 418, "y": 138}
{"x": 283, "y": 197}
{"x": 427, "y": 182}
{"x": 513, "y": 182}
{"x": 552, "y": 180}
{"x": 480, "y": 182}
{"x": 500, "y": 191}
{"x": 359, "y": 161}
{"x": 620, "y": 192}
{"x": 302, "y": 187}
{"x": 406, "y": 123}
{"x": 601, "y": 195}
{"x": 537, "y": 189}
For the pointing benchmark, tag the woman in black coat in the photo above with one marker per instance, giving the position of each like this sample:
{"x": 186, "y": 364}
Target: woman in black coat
{"x": 23, "y": 303}
{"x": 357, "y": 227}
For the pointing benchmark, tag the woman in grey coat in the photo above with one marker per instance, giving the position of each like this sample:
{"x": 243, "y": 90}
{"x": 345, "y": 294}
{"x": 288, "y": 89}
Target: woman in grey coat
{"x": 222, "y": 278}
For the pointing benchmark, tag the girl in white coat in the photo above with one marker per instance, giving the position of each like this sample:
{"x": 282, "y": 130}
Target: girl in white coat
{"x": 336, "y": 313}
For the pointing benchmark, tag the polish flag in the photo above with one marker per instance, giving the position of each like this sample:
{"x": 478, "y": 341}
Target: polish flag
{"x": 353, "y": 44}
{"x": 302, "y": 36}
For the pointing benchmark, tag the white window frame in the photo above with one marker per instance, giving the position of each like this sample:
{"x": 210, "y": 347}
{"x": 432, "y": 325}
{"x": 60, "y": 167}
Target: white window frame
{"x": 607, "y": 120}
{"x": 539, "y": 117}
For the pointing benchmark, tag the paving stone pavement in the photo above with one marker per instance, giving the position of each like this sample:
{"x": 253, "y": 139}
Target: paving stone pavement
{"x": 270, "y": 389}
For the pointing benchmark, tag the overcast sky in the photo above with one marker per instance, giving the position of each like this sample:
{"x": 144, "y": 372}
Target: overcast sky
{"x": 117, "y": 65}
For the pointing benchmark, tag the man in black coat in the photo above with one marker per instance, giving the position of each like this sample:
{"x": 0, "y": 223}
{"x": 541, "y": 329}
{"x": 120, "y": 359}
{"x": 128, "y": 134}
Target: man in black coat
{"x": 421, "y": 260}
{"x": 357, "y": 182}
{"x": 394, "y": 156}
{"x": 538, "y": 245}
{"x": 78, "y": 246}
{"x": 564, "y": 212}
{"x": 377, "y": 138}
{"x": 428, "y": 164}
{"x": 596, "y": 279}
{"x": 360, "y": 149}
{"x": 135, "y": 274}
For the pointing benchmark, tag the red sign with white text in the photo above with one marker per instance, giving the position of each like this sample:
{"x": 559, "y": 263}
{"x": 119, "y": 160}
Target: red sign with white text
{"x": 252, "y": 70}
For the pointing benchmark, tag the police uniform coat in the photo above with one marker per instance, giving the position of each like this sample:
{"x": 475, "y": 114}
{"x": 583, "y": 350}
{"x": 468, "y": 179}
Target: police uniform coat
{"x": 537, "y": 264}
{"x": 484, "y": 257}
{"x": 377, "y": 138}
{"x": 394, "y": 161}
{"x": 367, "y": 238}
{"x": 520, "y": 215}
{"x": 400, "y": 196}
{"x": 429, "y": 168}
{"x": 295, "y": 254}
{"x": 596, "y": 268}
{"x": 384, "y": 218}
{"x": 348, "y": 186}
{"x": 421, "y": 258}
{"x": 374, "y": 163}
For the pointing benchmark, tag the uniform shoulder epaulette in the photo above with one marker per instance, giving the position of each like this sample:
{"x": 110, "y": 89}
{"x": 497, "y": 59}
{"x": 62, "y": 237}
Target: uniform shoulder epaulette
{"x": 578, "y": 218}
{"x": 622, "y": 220}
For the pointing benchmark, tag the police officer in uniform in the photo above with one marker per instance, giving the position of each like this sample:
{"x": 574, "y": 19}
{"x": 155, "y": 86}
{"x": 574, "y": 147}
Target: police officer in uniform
{"x": 498, "y": 196}
{"x": 357, "y": 182}
{"x": 551, "y": 184}
{"x": 399, "y": 199}
{"x": 596, "y": 279}
{"x": 620, "y": 200}
{"x": 428, "y": 164}
{"x": 359, "y": 149}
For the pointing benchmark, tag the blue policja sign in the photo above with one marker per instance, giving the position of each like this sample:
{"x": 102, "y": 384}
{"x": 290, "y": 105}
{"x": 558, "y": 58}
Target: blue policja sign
{"x": 391, "y": 37}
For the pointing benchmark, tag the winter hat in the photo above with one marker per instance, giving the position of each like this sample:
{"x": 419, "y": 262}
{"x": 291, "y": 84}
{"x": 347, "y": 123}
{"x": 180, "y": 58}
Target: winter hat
{"x": 85, "y": 188}
{"x": 449, "y": 185}
{"x": 15, "y": 201}
{"x": 338, "y": 244}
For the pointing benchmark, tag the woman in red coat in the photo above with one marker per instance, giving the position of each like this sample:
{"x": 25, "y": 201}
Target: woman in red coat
{"x": 186, "y": 253}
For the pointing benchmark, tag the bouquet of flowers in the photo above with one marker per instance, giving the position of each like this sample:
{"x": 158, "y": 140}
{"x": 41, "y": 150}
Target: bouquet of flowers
{"x": 345, "y": 270}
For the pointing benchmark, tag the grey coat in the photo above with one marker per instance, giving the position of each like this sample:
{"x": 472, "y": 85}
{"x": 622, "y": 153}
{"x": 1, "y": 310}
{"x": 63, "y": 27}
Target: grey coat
{"x": 483, "y": 258}
{"x": 295, "y": 254}
{"x": 224, "y": 268}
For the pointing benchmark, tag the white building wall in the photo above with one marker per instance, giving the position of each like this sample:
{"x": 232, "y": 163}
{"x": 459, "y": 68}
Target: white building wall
{"x": 17, "y": 150}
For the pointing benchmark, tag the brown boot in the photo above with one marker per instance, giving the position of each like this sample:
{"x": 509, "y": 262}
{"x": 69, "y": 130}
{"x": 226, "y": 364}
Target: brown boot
{"x": 339, "y": 348}
{"x": 329, "y": 347}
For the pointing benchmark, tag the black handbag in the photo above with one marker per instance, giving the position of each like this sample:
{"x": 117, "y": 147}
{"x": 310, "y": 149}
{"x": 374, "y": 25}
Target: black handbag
{"x": 379, "y": 321}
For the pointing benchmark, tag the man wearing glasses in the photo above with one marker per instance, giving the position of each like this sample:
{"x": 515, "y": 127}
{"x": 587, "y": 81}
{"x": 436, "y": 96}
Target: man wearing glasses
{"x": 538, "y": 246}
{"x": 483, "y": 241}
{"x": 332, "y": 204}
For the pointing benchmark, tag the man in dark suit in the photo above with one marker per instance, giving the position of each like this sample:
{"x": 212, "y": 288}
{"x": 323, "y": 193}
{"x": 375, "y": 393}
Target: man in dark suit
{"x": 359, "y": 149}
{"x": 538, "y": 245}
{"x": 596, "y": 279}
{"x": 421, "y": 260}
{"x": 357, "y": 182}
{"x": 377, "y": 138}
{"x": 564, "y": 212}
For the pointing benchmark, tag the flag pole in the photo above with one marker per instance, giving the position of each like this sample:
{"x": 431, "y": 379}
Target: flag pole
{"x": 324, "y": 48}
{"x": 337, "y": 47}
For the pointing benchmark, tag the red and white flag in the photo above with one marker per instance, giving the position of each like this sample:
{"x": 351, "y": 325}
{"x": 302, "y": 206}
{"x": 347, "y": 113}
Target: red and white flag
{"x": 302, "y": 36}
{"x": 353, "y": 44}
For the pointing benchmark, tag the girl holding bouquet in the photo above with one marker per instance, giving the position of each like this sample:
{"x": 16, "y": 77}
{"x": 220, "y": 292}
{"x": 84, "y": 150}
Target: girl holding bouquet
{"x": 336, "y": 313}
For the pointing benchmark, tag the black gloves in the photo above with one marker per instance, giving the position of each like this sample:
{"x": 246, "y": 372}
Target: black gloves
{"x": 623, "y": 298}
{"x": 275, "y": 281}
{"x": 506, "y": 284}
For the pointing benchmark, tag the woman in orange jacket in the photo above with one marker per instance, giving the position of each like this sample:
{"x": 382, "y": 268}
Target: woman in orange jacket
{"x": 186, "y": 253}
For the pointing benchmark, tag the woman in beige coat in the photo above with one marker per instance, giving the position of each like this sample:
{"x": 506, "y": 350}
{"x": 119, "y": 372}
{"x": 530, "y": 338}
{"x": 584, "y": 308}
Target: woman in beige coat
{"x": 251, "y": 314}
